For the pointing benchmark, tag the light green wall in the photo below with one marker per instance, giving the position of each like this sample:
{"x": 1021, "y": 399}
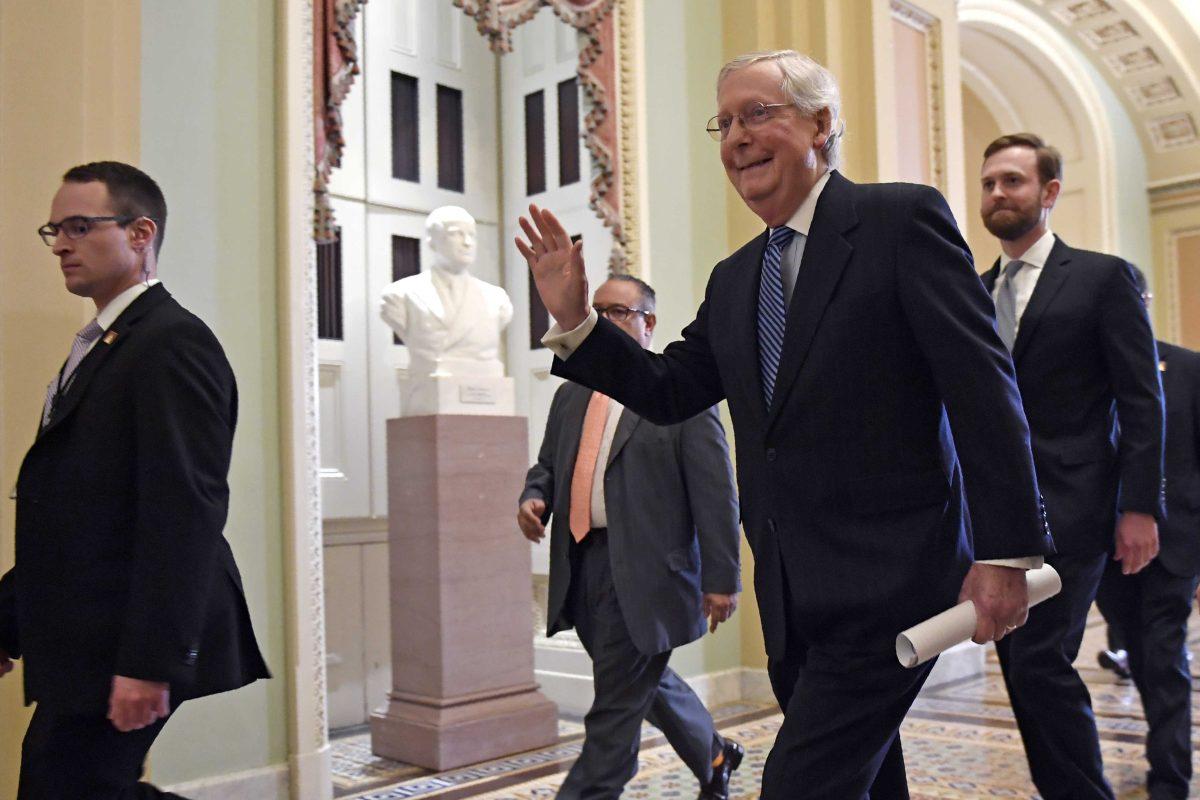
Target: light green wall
{"x": 207, "y": 134}
{"x": 686, "y": 195}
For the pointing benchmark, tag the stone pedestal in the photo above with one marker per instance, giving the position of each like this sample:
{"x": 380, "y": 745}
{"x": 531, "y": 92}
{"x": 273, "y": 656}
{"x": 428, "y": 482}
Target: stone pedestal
{"x": 463, "y": 689}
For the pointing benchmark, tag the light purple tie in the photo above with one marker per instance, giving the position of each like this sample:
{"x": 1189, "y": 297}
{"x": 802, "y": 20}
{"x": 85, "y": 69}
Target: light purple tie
{"x": 79, "y": 349}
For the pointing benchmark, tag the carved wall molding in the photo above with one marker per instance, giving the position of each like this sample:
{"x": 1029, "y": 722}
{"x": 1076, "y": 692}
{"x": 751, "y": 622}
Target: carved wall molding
{"x": 929, "y": 25}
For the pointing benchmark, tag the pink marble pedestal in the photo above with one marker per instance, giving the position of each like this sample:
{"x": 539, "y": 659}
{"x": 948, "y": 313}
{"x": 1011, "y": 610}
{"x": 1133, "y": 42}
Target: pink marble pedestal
{"x": 462, "y": 596}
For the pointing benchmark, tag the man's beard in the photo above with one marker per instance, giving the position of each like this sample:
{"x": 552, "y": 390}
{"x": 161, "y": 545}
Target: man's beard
{"x": 1015, "y": 225}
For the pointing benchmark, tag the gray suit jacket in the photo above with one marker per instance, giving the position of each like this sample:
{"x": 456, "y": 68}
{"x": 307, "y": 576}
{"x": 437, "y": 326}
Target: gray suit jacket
{"x": 672, "y": 518}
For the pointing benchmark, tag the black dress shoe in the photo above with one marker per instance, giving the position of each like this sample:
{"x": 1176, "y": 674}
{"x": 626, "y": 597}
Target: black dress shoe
{"x": 717, "y": 787}
{"x": 1115, "y": 661}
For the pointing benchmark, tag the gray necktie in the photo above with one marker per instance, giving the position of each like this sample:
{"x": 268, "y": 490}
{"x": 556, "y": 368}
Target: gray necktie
{"x": 1006, "y": 305}
{"x": 79, "y": 348}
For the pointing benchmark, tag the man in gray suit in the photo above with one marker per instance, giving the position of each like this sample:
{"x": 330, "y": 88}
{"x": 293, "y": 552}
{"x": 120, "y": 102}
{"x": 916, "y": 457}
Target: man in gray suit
{"x": 643, "y": 547}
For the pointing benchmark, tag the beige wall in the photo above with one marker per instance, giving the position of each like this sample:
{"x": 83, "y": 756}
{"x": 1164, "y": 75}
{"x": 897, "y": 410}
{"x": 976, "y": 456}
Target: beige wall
{"x": 1175, "y": 279}
{"x": 59, "y": 106}
{"x": 980, "y": 128}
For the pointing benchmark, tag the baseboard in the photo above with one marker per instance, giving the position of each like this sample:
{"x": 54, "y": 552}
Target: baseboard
{"x": 265, "y": 783}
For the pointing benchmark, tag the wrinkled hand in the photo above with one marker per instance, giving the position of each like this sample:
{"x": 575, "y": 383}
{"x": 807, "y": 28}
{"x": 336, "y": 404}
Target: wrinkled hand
{"x": 719, "y": 608}
{"x": 557, "y": 267}
{"x": 134, "y": 703}
{"x": 529, "y": 519}
{"x": 1137, "y": 541}
{"x": 1001, "y": 599}
{"x": 6, "y": 664}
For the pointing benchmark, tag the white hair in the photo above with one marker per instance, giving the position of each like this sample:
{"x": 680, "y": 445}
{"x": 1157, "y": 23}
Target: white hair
{"x": 435, "y": 223}
{"x": 810, "y": 88}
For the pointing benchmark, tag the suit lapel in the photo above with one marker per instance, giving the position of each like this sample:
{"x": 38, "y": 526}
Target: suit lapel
{"x": 989, "y": 277}
{"x": 1054, "y": 275}
{"x": 625, "y": 426}
{"x": 825, "y": 255}
{"x": 114, "y": 337}
{"x": 743, "y": 322}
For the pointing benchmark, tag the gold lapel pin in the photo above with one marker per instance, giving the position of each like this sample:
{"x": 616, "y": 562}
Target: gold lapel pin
{"x": 110, "y": 337}
{"x": 1162, "y": 366}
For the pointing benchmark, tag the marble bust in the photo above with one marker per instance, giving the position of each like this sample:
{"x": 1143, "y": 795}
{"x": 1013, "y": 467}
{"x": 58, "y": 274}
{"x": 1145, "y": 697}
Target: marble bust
{"x": 450, "y": 320}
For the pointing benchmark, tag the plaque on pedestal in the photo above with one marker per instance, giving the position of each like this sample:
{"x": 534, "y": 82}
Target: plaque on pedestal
{"x": 455, "y": 394}
{"x": 462, "y": 653}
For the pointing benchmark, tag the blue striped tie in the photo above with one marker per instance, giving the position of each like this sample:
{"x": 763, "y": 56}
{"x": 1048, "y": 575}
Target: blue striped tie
{"x": 772, "y": 311}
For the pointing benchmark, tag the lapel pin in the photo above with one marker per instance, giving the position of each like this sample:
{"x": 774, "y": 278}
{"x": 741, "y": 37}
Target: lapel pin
{"x": 110, "y": 337}
{"x": 1162, "y": 366}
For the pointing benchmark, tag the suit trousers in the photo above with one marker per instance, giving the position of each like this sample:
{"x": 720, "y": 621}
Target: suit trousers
{"x": 840, "y": 737}
{"x": 630, "y": 686}
{"x": 1149, "y": 611}
{"x": 1049, "y": 699}
{"x": 69, "y": 756}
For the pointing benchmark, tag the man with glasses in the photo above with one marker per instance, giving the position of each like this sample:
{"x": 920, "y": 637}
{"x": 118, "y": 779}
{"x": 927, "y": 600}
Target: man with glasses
{"x": 125, "y": 599}
{"x": 883, "y": 457}
{"x": 643, "y": 546}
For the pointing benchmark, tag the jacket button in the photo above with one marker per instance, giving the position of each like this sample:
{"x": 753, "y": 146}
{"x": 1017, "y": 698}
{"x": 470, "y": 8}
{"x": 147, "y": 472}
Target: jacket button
{"x": 770, "y": 454}
{"x": 190, "y": 657}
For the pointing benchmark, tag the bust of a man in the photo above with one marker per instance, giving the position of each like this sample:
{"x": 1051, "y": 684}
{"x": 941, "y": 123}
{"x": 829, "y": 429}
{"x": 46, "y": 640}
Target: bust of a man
{"x": 450, "y": 320}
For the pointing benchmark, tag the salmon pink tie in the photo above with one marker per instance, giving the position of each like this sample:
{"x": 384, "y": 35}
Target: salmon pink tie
{"x": 585, "y": 465}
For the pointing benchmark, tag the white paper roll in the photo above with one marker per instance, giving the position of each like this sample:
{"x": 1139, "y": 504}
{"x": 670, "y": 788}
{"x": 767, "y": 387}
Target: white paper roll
{"x": 937, "y": 634}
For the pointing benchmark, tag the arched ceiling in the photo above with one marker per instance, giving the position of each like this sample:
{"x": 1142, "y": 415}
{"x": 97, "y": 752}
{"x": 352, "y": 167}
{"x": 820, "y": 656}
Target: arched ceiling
{"x": 1148, "y": 51}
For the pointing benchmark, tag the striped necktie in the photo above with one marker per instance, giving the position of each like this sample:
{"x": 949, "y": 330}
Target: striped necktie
{"x": 79, "y": 348}
{"x": 772, "y": 311}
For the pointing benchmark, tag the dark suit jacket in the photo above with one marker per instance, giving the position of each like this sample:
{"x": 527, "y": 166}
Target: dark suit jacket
{"x": 121, "y": 566}
{"x": 672, "y": 518}
{"x": 1179, "y": 533}
{"x": 1085, "y": 359}
{"x": 895, "y": 405}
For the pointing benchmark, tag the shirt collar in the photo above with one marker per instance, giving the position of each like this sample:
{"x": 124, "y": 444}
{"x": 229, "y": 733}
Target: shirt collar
{"x": 109, "y": 315}
{"x": 801, "y": 221}
{"x": 1036, "y": 255}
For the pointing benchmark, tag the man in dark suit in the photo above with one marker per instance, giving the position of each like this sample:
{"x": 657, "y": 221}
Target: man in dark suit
{"x": 1088, "y": 374}
{"x": 1149, "y": 611}
{"x": 643, "y": 546}
{"x": 872, "y": 404}
{"x": 124, "y": 600}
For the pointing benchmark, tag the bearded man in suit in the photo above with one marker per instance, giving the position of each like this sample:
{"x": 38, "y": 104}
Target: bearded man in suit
{"x": 1088, "y": 374}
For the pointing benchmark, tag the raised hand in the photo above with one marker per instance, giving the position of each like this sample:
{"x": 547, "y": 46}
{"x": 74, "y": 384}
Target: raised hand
{"x": 557, "y": 267}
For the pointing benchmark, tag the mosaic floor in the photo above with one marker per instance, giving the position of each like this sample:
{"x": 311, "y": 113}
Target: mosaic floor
{"x": 959, "y": 742}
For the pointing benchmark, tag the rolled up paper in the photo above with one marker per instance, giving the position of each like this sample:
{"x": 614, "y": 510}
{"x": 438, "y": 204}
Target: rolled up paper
{"x": 937, "y": 634}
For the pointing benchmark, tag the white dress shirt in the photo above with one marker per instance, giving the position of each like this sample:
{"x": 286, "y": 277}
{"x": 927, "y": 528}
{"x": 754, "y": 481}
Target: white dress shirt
{"x": 1027, "y": 277}
{"x": 109, "y": 315}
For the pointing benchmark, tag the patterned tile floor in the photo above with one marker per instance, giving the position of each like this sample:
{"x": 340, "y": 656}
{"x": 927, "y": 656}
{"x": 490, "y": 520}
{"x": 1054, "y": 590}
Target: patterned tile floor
{"x": 959, "y": 742}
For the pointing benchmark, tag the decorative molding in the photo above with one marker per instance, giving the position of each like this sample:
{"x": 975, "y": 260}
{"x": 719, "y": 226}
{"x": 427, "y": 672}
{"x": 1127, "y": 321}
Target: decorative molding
{"x": 1159, "y": 91}
{"x": 1181, "y": 191}
{"x": 1173, "y": 131}
{"x": 1133, "y": 61}
{"x": 266, "y": 783}
{"x": 1108, "y": 34}
{"x": 1174, "y": 313}
{"x": 629, "y": 64}
{"x": 1082, "y": 10}
{"x": 922, "y": 21}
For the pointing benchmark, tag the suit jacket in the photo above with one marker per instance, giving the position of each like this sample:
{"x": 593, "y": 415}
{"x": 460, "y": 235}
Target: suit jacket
{"x": 1085, "y": 360}
{"x": 1179, "y": 533}
{"x": 895, "y": 407}
{"x": 672, "y": 518}
{"x": 121, "y": 566}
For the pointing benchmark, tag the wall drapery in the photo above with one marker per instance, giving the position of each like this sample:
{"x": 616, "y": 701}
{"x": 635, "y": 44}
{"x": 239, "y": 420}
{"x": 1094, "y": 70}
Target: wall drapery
{"x": 335, "y": 64}
{"x": 596, "y": 22}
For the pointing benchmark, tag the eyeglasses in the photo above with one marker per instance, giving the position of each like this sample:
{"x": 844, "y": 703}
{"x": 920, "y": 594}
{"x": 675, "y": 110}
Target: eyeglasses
{"x": 618, "y": 313}
{"x": 755, "y": 115}
{"x": 76, "y": 227}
